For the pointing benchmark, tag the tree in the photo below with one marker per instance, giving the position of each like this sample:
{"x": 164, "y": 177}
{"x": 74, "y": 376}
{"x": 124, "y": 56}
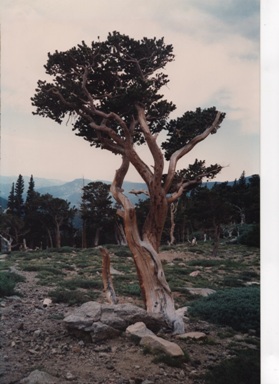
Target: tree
{"x": 211, "y": 209}
{"x": 55, "y": 213}
{"x": 111, "y": 90}
{"x": 11, "y": 200}
{"x": 19, "y": 202}
{"x": 30, "y": 192}
{"x": 96, "y": 208}
{"x": 32, "y": 216}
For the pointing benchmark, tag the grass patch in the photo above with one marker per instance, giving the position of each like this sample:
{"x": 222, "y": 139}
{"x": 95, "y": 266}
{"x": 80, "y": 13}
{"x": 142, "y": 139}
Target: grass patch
{"x": 75, "y": 297}
{"x": 241, "y": 369}
{"x": 205, "y": 263}
{"x": 42, "y": 268}
{"x": 176, "y": 362}
{"x": 77, "y": 282}
{"x": 127, "y": 289}
{"x": 238, "y": 308}
{"x": 232, "y": 281}
{"x": 8, "y": 281}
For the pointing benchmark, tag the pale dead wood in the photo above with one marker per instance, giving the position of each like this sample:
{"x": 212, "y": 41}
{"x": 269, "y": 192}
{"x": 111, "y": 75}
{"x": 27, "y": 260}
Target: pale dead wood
{"x": 106, "y": 276}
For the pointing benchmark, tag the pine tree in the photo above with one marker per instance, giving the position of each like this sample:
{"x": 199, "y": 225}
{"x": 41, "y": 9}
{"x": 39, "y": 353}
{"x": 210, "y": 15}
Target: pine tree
{"x": 31, "y": 191}
{"x": 31, "y": 202}
{"x": 19, "y": 202}
{"x": 11, "y": 200}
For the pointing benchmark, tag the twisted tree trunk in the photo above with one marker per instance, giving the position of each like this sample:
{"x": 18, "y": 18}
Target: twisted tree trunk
{"x": 155, "y": 290}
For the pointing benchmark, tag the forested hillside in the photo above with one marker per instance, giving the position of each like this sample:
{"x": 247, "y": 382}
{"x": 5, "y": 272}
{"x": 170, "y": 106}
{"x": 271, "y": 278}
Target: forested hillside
{"x": 46, "y": 217}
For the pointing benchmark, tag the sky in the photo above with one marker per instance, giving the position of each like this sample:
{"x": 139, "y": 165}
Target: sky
{"x": 217, "y": 63}
{"x": 217, "y": 49}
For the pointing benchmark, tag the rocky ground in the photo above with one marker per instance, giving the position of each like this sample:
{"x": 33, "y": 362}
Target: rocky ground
{"x": 34, "y": 337}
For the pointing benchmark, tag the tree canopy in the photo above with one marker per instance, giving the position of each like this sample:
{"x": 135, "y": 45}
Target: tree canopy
{"x": 104, "y": 88}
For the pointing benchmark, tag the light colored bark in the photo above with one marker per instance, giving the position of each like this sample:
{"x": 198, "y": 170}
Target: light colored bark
{"x": 173, "y": 210}
{"x": 6, "y": 245}
{"x": 120, "y": 234}
{"x": 154, "y": 287}
{"x": 107, "y": 280}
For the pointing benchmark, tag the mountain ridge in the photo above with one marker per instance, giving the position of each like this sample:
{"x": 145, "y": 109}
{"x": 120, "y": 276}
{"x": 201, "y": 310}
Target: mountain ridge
{"x": 72, "y": 190}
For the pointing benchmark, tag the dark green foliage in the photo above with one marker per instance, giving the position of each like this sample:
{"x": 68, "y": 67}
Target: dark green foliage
{"x": 241, "y": 369}
{"x": 251, "y": 236}
{"x": 97, "y": 213}
{"x": 182, "y": 130}
{"x": 232, "y": 281}
{"x": 12, "y": 200}
{"x": 127, "y": 289}
{"x": 205, "y": 263}
{"x": 123, "y": 252}
{"x": 111, "y": 69}
{"x": 238, "y": 308}
{"x": 19, "y": 203}
{"x": 64, "y": 249}
{"x": 78, "y": 282}
{"x": 171, "y": 361}
{"x": 41, "y": 267}
{"x": 249, "y": 275}
{"x": 8, "y": 281}
{"x": 60, "y": 295}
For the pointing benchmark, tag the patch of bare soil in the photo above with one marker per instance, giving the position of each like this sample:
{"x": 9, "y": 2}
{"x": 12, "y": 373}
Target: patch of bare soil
{"x": 34, "y": 337}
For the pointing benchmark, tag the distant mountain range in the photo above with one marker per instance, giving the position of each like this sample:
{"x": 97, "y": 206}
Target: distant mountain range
{"x": 70, "y": 191}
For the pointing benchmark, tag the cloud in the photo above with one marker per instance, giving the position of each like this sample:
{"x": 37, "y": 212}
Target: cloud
{"x": 215, "y": 43}
{"x": 236, "y": 16}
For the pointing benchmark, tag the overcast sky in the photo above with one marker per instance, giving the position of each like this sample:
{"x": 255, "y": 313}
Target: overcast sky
{"x": 216, "y": 47}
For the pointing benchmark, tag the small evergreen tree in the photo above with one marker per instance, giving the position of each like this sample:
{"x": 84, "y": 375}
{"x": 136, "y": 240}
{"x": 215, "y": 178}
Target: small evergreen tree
{"x": 19, "y": 202}
{"x": 11, "y": 200}
{"x": 31, "y": 192}
{"x": 96, "y": 210}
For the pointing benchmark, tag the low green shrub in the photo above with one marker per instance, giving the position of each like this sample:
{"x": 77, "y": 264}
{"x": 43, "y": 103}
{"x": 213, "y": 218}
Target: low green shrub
{"x": 60, "y": 295}
{"x": 171, "y": 361}
{"x": 8, "y": 281}
{"x": 238, "y": 308}
{"x": 64, "y": 249}
{"x": 126, "y": 289}
{"x": 251, "y": 236}
{"x": 205, "y": 263}
{"x": 77, "y": 282}
{"x": 42, "y": 268}
{"x": 241, "y": 369}
{"x": 232, "y": 281}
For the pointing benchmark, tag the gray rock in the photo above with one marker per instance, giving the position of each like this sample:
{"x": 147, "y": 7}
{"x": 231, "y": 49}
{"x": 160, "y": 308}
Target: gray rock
{"x": 157, "y": 344}
{"x": 192, "y": 335}
{"x": 102, "y": 331}
{"x": 138, "y": 330}
{"x": 201, "y": 291}
{"x": 39, "y": 377}
{"x": 103, "y": 321}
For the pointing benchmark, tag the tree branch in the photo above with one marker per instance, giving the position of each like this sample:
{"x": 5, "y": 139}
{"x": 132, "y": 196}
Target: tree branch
{"x": 152, "y": 145}
{"x": 186, "y": 186}
{"x": 188, "y": 147}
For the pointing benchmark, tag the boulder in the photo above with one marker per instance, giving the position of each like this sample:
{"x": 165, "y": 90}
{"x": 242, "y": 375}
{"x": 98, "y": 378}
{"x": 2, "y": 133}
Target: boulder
{"x": 103, "y": 321}
{"x": 156, "y": 344}
{"x": 100, "y": 331}
{"x": 138, "y": 330}
{"x": 195, "y": 273}
{"x": 201, "y": 291}
{"x": 39, "y": 377}
{"x": 192, "y": 335}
